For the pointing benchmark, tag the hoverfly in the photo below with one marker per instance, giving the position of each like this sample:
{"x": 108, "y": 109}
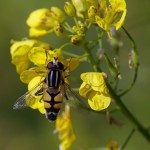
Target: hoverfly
{"x": 52, "y": 88}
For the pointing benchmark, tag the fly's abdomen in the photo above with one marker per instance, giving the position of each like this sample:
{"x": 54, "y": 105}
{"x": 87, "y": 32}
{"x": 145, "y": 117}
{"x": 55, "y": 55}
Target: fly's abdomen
{"x": 54, "y": 78}
{"x": 52, "y": 104}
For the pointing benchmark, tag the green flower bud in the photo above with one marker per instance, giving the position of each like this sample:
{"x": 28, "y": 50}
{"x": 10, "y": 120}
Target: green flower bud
{"x": 79, "y": 29}
{"x": 69, "y": 9}
{"x": 59, "y": 30}
{"x": 92, "y": 11}
{"x": 75, "y": 29}
{"x": 82, "y": 28}
{"x": 76, "y": 40}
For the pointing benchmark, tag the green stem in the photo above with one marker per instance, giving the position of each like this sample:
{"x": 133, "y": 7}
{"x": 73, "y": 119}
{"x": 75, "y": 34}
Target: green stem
{"x": 128, "y": 114}
{"x": 127, "y": 140}
{"x": 90, "y": 57}
{"x": 118, "y": 100}
{"x": 137, "y": 65}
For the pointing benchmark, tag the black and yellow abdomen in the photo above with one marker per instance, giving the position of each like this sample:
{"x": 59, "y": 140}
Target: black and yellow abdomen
{"x": 52, "y": 103}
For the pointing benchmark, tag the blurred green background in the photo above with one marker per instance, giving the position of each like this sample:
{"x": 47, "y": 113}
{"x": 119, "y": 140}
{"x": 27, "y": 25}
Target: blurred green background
{"x": 28, "y": 129}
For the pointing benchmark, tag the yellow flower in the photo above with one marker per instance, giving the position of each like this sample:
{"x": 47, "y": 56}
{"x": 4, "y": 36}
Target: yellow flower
{"x": 65, "y": 129}
{"x": 42, "y": 21}
{"x": 82, "y": 7}
{"x": 19, "y": 53}
{"x": 112, "y": 15}
{"x": 94, "y": 84}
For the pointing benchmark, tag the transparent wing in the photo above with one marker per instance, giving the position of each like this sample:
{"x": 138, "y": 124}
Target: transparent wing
{"x": 75, "y": 98}
{"x": 28, "y": 99}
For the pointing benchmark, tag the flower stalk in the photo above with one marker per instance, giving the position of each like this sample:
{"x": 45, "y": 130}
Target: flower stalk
{"x": 45, "y": 69}
{"x": 123, "y": 108}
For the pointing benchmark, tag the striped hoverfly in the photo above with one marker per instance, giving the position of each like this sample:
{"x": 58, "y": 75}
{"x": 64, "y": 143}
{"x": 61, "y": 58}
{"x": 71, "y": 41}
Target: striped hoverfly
{"x": 52, "y": 88}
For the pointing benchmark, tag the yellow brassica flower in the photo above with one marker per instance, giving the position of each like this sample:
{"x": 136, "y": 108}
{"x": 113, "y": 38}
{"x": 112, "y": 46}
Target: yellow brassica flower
{"x": 42, "y": 21}
{"x": 111, "y": 16}
{"x": 94, "y": 84}
{"x": 65, "y": 130}
{"x": 19, "y": 52}
{"x": 82, "y": 7}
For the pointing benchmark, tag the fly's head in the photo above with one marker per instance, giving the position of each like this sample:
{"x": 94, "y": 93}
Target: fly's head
{"x": 55, "y": 64}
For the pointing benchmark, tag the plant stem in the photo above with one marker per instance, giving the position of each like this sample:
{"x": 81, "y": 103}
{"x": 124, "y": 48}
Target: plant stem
{"x": 90, "y": 57}
{"x": 137, "y": 65}
{"x": 128, "y": 114}
{"x": 127, "y": 140}
{"x": 118, "y": 100}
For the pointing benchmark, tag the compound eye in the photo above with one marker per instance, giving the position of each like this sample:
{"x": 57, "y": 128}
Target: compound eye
{"x": 60, "y": 66}
{"x": 50, "y": 65}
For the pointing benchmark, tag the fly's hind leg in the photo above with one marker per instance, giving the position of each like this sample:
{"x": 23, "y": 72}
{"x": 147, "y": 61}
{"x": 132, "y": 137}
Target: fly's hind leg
{"x": 40, "y": 93}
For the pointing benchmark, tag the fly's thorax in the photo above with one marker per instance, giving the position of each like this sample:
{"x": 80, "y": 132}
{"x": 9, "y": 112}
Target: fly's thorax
{"x": 54, "y": 78}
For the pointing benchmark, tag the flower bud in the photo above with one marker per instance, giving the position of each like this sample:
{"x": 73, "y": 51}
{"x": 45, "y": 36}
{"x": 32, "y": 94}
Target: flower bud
{"x": 92, "y": 11}
{"x": 58, "y": 14}
{"x": 76, "y": 40}
{"x": 59, "y": 30}
{"x": 82, "y": 28}
{"x": 81, "y": 7}
{"x": 69, "y": 9}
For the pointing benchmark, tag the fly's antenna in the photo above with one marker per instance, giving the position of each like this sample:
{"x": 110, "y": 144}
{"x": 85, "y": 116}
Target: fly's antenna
{"x": 55, "y": 61}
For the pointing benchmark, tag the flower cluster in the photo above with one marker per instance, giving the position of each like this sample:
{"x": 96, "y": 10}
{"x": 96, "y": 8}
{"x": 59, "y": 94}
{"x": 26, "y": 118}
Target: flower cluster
{"x": 94, "y": 84}
{"x": 105, "y": 16}
{"x": 44, "y": 21}
{"x": 31, "y": 56}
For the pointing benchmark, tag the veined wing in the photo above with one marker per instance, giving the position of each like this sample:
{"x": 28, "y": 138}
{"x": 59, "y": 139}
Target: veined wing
{"x": 28, "y": 98}
{"x": 75, "y": 96}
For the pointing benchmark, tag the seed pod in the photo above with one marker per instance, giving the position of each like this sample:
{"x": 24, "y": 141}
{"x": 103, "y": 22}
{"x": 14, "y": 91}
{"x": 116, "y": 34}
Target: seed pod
{"x": 113, "y": 70}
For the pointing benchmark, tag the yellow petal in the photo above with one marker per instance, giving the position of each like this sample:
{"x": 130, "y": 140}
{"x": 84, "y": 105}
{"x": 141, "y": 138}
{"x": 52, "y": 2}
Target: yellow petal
{"x": 18, "y": 44}
{"x": 71, "y": 64}
{"x": 27, "y": 75}
{"x": 35, "y": 18}
{"x": 21, "y": 64}
{"x": 80, "y": 5}
{"x": 94, "y": 78}
{"x": 20, "y": 58}
{"x": 38, "y": 56}
{"x": 84, "y": 89}
{"x": 34, "y": 32}
{"x": 103, "y": 4}
{"x": 65, "y": 129}
{"x": 36, "y": 102}
{"x": 33, "y": 83}
{"x": 58, "y": 14}
{"x": 119, "y": 5}
{"x": 98, "y": 101}
{"x": 121, "y": 21}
